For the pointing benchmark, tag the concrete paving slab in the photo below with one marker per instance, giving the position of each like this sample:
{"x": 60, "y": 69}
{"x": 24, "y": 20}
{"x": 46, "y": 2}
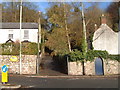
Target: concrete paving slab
{"x": 10, "y": 86}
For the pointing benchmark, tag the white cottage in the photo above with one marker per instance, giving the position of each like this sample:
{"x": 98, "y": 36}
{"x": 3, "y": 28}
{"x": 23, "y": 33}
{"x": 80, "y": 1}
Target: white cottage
{"x": 105, "y": 38}
{"x": 11, "y": 31}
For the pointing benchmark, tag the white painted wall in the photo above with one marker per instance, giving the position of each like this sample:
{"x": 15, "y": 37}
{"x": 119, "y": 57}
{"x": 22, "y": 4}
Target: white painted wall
{"x": 16, "y": 35}
{"x": 106, "y": 39}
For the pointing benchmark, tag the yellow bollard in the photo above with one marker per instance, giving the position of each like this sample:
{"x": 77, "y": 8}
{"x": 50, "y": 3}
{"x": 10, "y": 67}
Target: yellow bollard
{"x": 4, "y": 74}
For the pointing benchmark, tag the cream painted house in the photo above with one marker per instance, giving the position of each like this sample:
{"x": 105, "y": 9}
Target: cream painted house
{"x": 105, "y": 38}
{"x": 11, "y": 31}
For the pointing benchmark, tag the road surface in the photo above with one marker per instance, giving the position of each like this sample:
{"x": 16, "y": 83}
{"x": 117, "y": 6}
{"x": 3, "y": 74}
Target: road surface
{"x": 81, "y": 82}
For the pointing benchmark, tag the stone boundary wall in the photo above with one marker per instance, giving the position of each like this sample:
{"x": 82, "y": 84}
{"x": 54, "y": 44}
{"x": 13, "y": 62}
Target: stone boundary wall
{"x": 89, "y": 68}
{"x": 111, "y": 67}
{"x": 75, "y": 68}
{"x": 28, "y": 64}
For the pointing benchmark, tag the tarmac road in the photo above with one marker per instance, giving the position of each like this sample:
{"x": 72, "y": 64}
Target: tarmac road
{"x": 79, "y": 82}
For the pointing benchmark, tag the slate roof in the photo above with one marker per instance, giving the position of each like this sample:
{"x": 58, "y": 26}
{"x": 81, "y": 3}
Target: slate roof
{"x": 17, "y": 25}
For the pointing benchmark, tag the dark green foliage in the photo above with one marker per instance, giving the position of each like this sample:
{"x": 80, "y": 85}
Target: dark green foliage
{"x": 84, "y": 46}
{"x": 114, "y": 57}
{"x": 89, "y": 41}
{"x": 13, "y": 48}
{"x": 75, "y": 56}
{"x": 90, "y": 55}
{"x": 115, "y": 27}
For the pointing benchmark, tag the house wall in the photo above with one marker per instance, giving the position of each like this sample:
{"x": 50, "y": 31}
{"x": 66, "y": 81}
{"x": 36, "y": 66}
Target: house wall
{"x": 106, "y": 39}
{"x": 119, "y": 40}
{"x": 28, "y": 64}
{"x": 16, "y": 35}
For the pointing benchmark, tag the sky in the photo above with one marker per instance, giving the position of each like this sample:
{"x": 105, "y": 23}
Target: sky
{"x": 44, "y": 5}
{"x": 104, "y": 5}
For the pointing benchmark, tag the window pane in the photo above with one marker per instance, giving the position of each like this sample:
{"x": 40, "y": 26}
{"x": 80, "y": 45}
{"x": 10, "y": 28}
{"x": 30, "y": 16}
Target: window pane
{"x": 10, "y": 36}
{"x": 26, "y": 34}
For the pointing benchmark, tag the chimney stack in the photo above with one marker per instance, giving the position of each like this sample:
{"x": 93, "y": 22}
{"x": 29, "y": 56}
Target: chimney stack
{"x": 103, "y": 19}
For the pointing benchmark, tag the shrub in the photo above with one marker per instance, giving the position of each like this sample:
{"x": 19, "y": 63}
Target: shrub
{"x": 91, "y": 54}
{"x": 29, "y": 48}
{"x": 10, "y": 48}
{"x": 114, "y": 57}
{"x": 102, "y": 54}
{"x": 13, "y": 48}
{"x": 75, "y": 56}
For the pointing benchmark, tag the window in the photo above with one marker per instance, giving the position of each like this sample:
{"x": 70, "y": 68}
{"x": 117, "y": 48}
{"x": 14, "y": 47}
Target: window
{"x": 10, "y": 36}
{"x": 26, "y": 34}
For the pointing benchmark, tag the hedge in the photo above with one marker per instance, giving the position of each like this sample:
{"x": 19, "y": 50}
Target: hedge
{"x": 28, "y": 48}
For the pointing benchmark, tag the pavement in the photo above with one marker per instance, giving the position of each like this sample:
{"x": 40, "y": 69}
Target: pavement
{"x": 68, "y": 76}
{"x": 9, "y": 86}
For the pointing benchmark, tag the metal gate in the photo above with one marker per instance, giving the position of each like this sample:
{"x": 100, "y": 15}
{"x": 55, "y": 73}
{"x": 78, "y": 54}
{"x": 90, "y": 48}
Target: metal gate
{"x": 99, "y": 70}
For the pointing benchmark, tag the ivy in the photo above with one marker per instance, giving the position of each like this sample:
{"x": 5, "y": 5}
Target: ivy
{"x": 76, "y": 55}
{"x": 114, "y": 57}
{"x": 91, "y": 54}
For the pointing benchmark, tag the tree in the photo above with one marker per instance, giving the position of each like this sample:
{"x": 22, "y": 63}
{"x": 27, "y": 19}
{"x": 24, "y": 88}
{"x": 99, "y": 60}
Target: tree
{"x": 113, "y": 11}
{"x": 75, "y": 26}
{"x": 66, "y": 27}
{"x": 0, "y": 12}
{"x": 57, "y": 39}
{"x": 10, "y": 12}
{"x": 92, "y": 19}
